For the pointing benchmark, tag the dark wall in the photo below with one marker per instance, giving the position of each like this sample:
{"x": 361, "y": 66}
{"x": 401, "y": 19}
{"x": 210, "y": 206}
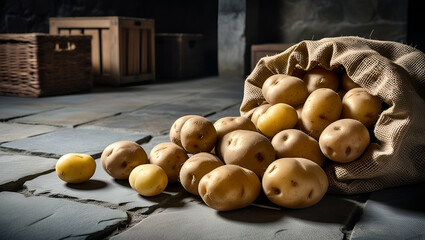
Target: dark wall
{"x": 182, "y": 16}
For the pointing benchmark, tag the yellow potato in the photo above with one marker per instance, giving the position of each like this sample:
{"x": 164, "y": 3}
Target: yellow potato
{"x": 294, "y": 182}
{"x": 175, "y": 129}
{"x": 281, "y": 88}
{"x": 360, "y": 105}
{"x": 321, "y": 78}
{"x": 348, "y": 83}
{"x": 119, "y": 158}
{"x": 170, "y": 157}
{"x": 148, "y": 180}
{"x": 198, "y": 135}
{"x": 247, "y": 149}
{"x": 295, "y": 143}
{"x": 227, "y": 124}
{"x": 195, "y": 168}
{"x": 75, "y": 167}
{"x": 321, "y": 108}
{"x": 229, "y": 187}
{"x": 344, "y": 140}
{"x": 258, "y": 112}
{"x": 278, "y": 117}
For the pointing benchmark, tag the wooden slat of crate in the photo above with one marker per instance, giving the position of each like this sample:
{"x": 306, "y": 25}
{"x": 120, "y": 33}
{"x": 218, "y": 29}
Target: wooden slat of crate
{"x": 122, "y": 47}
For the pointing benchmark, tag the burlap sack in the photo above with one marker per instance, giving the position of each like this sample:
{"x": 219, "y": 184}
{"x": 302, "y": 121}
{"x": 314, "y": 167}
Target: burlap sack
{"x": 396, "y": 73}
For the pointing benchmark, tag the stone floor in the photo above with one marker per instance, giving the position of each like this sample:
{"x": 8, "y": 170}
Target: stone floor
{"x": 35, "y": 204}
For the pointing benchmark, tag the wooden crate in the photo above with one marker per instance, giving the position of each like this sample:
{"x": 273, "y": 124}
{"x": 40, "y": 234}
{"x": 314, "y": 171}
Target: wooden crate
{"x": 123, "y": 49}
{"x": 179, "y": 55}
{"x": 259, "y": 51}
{"x": 35, "y": 65}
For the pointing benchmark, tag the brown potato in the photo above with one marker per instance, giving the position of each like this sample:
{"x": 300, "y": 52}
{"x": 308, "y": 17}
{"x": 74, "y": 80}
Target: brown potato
{"x": 281, "y": 88}
{"x": 247, "y": 149}
{"x": 321, "y": 78}
{"x": 170, "y": 157}
{"x": 360, "y": 105}
{"x": 229, "y": 187}
{"x": 344, "y": 140}
{"x": 195, "y": 168}
{"x": 198, "y": 135}
{"x": 227, "y": 124}
{"x": 348, "y": 83}
{"x": 120, "y": 158}
{"x": 175, "y": 129}
{"x": 294, "y": 182}
{"x": 295, "y": 143}
{"x": 321, "y": 108}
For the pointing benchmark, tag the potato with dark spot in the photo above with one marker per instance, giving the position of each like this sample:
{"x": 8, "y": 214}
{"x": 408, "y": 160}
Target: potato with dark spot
{"x": 295, "y": 143}
{"x": 175, "y": 129}
{"x": 198, "y": 134}
{"x": 319, "y": 77}
{"x": 360, "y": 105}
{"x": 195, "y": 168}
{"x": 170, "y": 157}
{"x": 281, "y": 88}
{"x": 229, "y": 187}
{"x": 228, "y": 124}
{"x": 247, "y": 149}
{"x": 120, "y": 158}
{"x": 321, "y": 108}
{"x": 344, "y": 140}
{"x": 294, "y": 182}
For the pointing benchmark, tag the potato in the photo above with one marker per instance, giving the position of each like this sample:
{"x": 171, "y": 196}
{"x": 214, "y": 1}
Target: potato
{"x": 321, "y": 108}
{"x": 75, "y": 167}
{"x": 148, "y": 180}
{"x": 170, "y": 157}
{"x": 258, "y": 112}
{"x": 295, "y": 143}
{"x": 299, "y": 124}
{"x": 321, "y": 78}
{"x": 229, "y": 187}
{"x": 294, "y": 182}
{"x": 176, "y": 129}
{"x": 120, "y": 158}
{"x": 278, "y": 117}
{"x": 360, "y": 105}
{"x": 227, "y": 124}
{"x": 348, "y": 83}
{"x": 198, "y": 135}
{"x": 344, "y": 140}
{"x": 247, "y": 149}
{"x": 281, "y": 88}
{"x": 195, "y": 168}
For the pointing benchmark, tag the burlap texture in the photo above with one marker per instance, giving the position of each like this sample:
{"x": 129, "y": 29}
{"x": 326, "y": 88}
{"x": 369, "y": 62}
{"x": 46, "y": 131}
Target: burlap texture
{"x": 393, "y": 71}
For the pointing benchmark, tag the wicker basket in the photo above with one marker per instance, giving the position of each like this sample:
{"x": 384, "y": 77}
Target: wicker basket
{"x": 36, "y": 64}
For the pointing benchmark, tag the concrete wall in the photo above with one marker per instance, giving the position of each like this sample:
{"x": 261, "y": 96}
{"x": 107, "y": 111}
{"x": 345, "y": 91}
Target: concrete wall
{"x": 245, "y": 22}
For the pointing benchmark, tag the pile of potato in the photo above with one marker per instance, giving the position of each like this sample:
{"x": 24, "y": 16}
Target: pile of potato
{"x": 307, "y": 120}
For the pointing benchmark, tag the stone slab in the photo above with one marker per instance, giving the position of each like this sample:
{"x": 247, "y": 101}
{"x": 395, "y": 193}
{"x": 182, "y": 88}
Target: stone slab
{"x": 155, "y": 141}
{"x": 14, "y": 131}
{"x": 102, "y": 188}
{"x": 178, "y": 109}
{"x": 397, "y": 213}
{"x": 232, "y": 111}
{"x": 58, "y": 143}
{"x": 192, "y": 219}
{"x": 67, "y": 117}
{"x": 10, "y": 110}
{"x": 16, "y": 169}
{"x": 139, "y": 121}
{"x": 47, "y": 218}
